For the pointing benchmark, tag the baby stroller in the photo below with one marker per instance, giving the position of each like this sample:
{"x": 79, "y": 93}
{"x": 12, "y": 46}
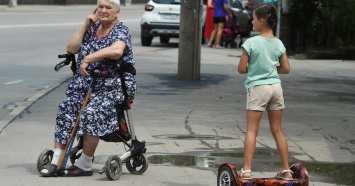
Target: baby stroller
{"x": 230, "y": 32}
{"x": 134, "y": 158}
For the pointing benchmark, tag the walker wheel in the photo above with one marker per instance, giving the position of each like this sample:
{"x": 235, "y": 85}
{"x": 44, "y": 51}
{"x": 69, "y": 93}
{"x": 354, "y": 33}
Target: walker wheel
{"x": 113, "y": 168}
{"x": 75, "y": 154}
{"x": 137, "y": 164}
{"x": 44, "y": 158}
{"x": 226, "y": 177}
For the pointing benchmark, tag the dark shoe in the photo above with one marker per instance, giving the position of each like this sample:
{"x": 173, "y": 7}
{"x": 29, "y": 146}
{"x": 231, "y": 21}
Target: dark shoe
{"x": 49, "y": 170}
{"x": 76, "y": 171}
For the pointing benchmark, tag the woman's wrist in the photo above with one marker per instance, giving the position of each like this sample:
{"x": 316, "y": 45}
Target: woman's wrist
{"x": 87, "y": 59}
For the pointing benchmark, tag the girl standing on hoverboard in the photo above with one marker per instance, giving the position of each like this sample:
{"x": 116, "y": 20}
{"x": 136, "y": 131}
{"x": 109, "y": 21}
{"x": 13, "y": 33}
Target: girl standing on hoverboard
{"x": 260, "y": 58}
{"x": 101, "y": 42}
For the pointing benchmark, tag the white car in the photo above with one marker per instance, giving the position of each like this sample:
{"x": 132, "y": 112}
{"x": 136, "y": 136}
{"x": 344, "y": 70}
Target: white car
{"x": 161, "y": 19}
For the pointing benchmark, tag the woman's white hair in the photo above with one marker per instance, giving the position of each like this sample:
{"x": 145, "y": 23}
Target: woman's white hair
{"x": 117, "y": 3}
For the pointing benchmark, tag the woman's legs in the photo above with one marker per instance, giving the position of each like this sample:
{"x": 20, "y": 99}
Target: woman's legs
{"x": 253, "y": 121}
{"x": 219, "y": 27}
{"x": 213, "y": 35}
{"x": 280, "y": 139}
{"x": 90, "y": 144}
{"x": 58, "y": 152}
{"x": 59, "y": 146}
{"x": 85, "y": 160}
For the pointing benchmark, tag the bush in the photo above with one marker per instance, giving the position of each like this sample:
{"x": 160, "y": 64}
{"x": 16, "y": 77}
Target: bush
{"x": 324, "y": 23}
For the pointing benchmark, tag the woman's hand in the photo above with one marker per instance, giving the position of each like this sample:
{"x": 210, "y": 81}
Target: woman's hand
{"x": 83, "y": 68}
{"x": 91, "y": 19}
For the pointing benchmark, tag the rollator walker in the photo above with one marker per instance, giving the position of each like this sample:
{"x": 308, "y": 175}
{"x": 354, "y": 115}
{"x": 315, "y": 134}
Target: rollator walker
{"x": 134, "y": 158}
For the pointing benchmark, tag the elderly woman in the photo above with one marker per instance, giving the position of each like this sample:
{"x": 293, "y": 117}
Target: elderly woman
{"x": 101, "y": 42}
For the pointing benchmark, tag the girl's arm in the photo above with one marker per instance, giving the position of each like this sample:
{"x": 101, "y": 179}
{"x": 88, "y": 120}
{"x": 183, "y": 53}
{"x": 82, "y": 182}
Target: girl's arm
{"x": 243, "y": 63}
{"x": 284, "y": 67}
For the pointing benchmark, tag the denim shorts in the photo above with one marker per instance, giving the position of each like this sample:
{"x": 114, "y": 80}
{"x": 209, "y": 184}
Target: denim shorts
{"x": 265, "y": 97}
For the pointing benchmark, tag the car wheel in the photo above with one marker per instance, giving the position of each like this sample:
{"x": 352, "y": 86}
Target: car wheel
{"x": 146, "y": 41}
{"x": 164, "y": 39}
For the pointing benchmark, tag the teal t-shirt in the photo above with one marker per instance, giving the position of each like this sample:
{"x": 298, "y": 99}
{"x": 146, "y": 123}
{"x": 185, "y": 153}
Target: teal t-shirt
{"x": 264, "y": 54}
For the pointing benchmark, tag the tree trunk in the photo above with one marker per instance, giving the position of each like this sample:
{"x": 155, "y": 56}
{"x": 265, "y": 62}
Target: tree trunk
{"x": 12, "y": 3}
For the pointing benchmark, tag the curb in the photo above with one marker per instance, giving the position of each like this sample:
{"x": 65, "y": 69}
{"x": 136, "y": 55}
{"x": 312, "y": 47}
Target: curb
{"x": 18, "y": 111}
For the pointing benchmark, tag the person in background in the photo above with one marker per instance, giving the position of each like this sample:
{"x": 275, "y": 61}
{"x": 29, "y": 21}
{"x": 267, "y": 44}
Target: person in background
{"x": 260, "y": 58}
{"x": 209, "y": 26}
{"x": 219, "y": 19}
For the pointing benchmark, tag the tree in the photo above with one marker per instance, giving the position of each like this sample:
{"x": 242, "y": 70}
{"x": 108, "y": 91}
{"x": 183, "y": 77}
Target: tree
{"x": 327, "y": 23}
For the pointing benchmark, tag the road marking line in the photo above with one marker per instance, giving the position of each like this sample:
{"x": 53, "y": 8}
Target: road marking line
{"x": 13, "y": 82}
{"x": 39, "y": 25}
{"x": 52, "y": 24}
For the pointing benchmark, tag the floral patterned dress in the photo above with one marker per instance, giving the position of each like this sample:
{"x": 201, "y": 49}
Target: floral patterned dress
{"x": 99, "y": 117}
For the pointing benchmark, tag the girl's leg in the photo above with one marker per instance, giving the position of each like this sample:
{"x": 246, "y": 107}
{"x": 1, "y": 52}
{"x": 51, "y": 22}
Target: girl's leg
{"x": 253, "y": 121}
{"x": 280, "y": 139}
{"x": 219, "y": 35}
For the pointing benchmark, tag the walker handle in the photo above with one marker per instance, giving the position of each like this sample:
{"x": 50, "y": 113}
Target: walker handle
{"x": 68, "y": 58}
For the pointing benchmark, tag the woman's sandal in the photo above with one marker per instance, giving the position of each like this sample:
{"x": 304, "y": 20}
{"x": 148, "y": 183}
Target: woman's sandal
{"x": 49, "y": 170}
{"x": 241, "y": 172}
{"x": 280, "y": 175}
{"x": 74, "y": 171}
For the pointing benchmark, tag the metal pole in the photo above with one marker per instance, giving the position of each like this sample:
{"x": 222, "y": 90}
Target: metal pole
{"x": 12, "y": 3}
{"x": 279, "y": 5}
{"x": 190, "y": 40}
{"x": 127, "y": 2}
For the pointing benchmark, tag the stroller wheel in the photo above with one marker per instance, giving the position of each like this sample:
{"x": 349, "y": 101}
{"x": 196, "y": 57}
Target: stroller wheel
{"x": 137, "y": 164}
{"x": 44, "y": 158}
{"x": 113, "y": 168}
{"x": 225, "y": 177}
